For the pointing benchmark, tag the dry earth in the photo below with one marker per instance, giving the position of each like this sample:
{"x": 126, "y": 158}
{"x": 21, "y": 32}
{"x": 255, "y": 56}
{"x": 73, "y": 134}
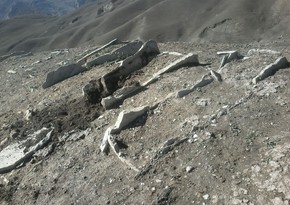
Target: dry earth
{"x": 225, "y": 143}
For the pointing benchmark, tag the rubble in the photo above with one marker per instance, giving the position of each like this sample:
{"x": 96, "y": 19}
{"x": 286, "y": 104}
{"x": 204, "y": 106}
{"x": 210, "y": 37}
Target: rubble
{"x": 271, "y": 69}
{"x": 16, "y": 154}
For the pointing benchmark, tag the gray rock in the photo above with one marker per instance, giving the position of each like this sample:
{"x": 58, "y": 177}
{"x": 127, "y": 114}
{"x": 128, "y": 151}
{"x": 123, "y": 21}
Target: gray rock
{"x": 205, "y": 80}
{"x": 271, "y": 69}
{"x": 128, "y": 116}
{"x": 84, "y": 59}
{"x": 187, "y": 60}
{"x": 62, "y": 74}
{"x": 17, "y": 153}
{"x": 118, "y": 54}
{"x": 229, "y": 56}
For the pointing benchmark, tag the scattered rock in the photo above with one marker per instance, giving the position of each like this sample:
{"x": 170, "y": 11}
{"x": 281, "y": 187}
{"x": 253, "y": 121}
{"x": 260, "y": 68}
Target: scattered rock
{"x": 120, "y": 95}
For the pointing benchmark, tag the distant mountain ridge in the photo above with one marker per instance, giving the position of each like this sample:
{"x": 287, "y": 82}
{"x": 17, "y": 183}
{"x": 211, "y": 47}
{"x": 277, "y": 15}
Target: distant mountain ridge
{"x": 13, "y": 8}
{"x": 98, "y": 22}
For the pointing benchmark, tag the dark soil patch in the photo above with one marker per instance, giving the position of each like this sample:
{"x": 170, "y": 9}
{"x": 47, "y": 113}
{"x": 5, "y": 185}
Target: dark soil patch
{"x": 76, "y": 114}
{"x": 67, "y": 116}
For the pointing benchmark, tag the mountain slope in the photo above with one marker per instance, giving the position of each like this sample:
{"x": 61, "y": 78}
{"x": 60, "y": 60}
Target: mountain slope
{"x": 162, "y": 20}
{"x": 13, "y": 8}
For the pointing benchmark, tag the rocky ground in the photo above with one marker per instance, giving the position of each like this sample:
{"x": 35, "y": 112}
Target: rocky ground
{"x": 225, "y": 143}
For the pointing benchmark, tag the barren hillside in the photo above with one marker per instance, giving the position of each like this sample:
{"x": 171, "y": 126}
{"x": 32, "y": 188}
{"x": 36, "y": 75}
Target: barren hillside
{"x": 147, "y": 102}
{"x": 162, "y": 20}
{"x": 184, "y": 128}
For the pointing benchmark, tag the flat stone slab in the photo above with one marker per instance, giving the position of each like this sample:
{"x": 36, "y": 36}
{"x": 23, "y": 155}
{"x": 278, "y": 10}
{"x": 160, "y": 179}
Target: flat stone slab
{"x": 62, "y": 74}
{"x": 84, "y": 59}
{"x": 271, "y": 69}
{"x": 17, "y": 153}
{"x": 118, "y": 54}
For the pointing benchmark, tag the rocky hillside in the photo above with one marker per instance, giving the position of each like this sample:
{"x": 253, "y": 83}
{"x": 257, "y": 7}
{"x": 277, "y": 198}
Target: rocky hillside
{"x": 162, "y": 20}
{"x": 13, "y": 8}
{"x": 146, "y": 123}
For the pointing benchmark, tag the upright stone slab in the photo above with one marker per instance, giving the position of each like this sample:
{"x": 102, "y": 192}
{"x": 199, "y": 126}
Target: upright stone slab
{"x": 62, "y": 74}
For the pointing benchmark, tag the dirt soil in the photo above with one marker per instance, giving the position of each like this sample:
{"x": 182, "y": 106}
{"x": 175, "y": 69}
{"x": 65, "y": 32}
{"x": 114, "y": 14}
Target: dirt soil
{"x": 225, "y": 143}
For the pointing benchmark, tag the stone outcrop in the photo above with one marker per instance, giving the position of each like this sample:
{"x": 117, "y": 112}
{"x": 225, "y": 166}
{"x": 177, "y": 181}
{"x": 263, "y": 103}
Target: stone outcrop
{"x": 271, "y": 69}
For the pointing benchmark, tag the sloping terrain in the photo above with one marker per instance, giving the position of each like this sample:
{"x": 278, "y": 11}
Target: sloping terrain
{"x": 162, "y": 20}
{"x": 13, "y": 8}
{"x": 224, "y": 142}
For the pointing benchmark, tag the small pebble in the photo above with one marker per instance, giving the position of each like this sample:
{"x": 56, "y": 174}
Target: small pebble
{"x": 189, "y": 169}
{"x": 205, "y": 197}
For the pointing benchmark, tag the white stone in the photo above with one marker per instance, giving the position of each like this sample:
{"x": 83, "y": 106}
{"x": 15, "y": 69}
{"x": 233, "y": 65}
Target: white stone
{"x": 62, "y": 74}
{"x": 189, "y": 169}
{"x": 205, "y": 197}
{"x": 187, "y": 60}
{"x": 15, "y": 154}
{"x": 128, "y": 116}
{"x": 84, "y": 59}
